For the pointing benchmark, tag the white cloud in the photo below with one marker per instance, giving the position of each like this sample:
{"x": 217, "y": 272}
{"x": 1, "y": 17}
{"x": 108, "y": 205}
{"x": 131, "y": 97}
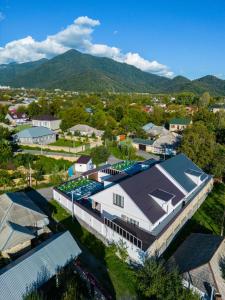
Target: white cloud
{"x": 2, "y": 16}
{"x": 78, "y": 36}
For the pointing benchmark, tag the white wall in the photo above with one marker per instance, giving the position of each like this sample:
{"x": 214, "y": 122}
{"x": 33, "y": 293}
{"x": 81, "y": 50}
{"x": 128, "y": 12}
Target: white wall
{"x": 53, "y": 125}
{"x": 111, "y": 236}
{"x": 83, "y": 167}
{"x": 130, "y": 210}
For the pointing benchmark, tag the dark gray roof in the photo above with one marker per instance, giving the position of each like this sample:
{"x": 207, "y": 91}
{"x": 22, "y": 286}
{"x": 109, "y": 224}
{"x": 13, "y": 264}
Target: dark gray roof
{"x": 45, "y": 118}
{"x": 163, "y": 195}
{"x": 83, "y": 159}
{"x": 140, "y": 186}
{"x": 117, "y": 177}
{"x": 196, "y": 250}
{"x": 146, "y": 237}
{"x": 177, "y": 167}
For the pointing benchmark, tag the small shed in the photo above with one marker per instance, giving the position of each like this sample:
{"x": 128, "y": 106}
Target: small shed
{"x": 83, "y": 164}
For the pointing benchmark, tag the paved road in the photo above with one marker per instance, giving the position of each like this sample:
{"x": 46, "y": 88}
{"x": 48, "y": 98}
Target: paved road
{"x": 39, "y": 152}
{"x": 147, "y": 155}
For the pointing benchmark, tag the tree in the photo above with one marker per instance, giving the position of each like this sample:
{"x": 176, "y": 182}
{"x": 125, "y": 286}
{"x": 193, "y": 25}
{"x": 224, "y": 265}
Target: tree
{"x": 4, "y": 133}
{"x": 73, "y": 116}
{"x": 156, "y": 281}
{"x": 198, "y": 144}
{"x": 99, "y": 154}
{"x": 6, "y": 152}
{"x": 204, "y": 100}
{"x": 5, "y": 178}
{"x": 217, "y": 166}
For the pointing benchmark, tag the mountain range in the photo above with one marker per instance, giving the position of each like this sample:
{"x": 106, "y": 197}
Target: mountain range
{"x": 77, "y": 71}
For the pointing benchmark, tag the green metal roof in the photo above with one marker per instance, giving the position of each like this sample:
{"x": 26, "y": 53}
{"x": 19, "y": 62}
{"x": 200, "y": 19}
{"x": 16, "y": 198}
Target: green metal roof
{"x": 180, "y": 121}
{"x": 143, "y": 141}
{"x": 34, "y": 132}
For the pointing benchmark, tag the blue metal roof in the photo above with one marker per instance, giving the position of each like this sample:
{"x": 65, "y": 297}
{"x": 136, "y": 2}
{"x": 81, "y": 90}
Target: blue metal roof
{"x": 37, "y": 266}
{"x": 177, "y": 167}
{"x": 34, "y": 132}
{"x": 148, "y": 126}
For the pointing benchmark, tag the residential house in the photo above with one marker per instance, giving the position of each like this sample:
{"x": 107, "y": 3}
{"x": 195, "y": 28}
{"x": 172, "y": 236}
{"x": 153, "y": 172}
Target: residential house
{"x": 165, "y": 144}
{"x": 160, "y": 141}
{"x": 144, "y": 204}
{"x": 36, "y": 267}
{"x": 17, "y": 118}
{"x": 47, "y": 121}
{"x": 20, "y": 222}
{"x": 199, "y": 259}
{"x": 83, "y": 164}
{"x": 217, "y": 108}
{"x": 86, "y": 130}
{"x": 179, "y": 124}
{"x": 35, "y": 135}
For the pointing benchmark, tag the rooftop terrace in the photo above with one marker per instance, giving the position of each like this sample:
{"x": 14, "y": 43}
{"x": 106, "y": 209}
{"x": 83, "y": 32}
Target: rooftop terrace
{"x": 80, "y": 188}
{"x": 124, "y": 165}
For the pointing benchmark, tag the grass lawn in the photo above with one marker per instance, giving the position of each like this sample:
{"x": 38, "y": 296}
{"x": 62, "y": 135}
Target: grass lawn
{"x": 67, "y": 143}
{"x": 208, "y": 218}
{"x": 116, "y": 276}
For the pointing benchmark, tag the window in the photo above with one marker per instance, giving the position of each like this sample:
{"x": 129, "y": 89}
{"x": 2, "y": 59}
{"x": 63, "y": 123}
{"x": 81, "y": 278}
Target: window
{"x": 130, "y": 220}
{"x": 134, "y": 222}
{"x": 118, "y": 200}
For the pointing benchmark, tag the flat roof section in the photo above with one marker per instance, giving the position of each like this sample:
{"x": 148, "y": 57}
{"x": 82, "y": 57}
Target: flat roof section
{"x": 80, "y": 188}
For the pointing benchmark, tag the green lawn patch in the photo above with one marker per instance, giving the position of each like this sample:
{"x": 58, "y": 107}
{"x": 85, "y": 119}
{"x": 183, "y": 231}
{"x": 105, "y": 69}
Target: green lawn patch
{"x": 116, "y": 276}
{"x": 67, "y": 143}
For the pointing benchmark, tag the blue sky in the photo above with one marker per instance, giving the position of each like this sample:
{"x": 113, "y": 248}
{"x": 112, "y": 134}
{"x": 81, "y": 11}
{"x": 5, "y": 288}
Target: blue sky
{"x": 183, "y": 37}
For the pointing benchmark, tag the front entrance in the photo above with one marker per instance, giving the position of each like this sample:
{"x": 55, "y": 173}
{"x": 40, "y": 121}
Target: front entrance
{"x": 142, "y": 147}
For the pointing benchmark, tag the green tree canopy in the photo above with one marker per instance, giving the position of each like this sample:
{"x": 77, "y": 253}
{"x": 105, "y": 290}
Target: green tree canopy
{"x": 99, "y": 154}
{"x": 156, "y": 282}
{"x": 204, "y": 100}
{"x": 198, "y": 144}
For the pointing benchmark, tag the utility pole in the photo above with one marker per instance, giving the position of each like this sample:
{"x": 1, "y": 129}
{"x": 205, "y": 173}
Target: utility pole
{"x": 222, "y": 225}
{"x": 30, "y": 176}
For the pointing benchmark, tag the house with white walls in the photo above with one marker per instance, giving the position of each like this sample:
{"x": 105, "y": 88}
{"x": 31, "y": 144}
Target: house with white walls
{"x": 144, "y": 204}
{"x": 83, "y": 164}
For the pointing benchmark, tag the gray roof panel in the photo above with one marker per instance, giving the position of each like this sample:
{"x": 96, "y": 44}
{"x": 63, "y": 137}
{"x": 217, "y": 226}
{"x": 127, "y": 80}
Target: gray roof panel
{"x": 37, "y": 266}
{"x": 177, "y": 167}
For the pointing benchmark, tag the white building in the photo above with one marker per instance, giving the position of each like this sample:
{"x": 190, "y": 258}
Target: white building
{"x": 86, "y": 130}
{"x": 143, "y": 204}
{"x": 83, "y": 164}
{"x": 35, "y": 135}
{"x": 46, "y": 121}
{"x": 17, "y": 118}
